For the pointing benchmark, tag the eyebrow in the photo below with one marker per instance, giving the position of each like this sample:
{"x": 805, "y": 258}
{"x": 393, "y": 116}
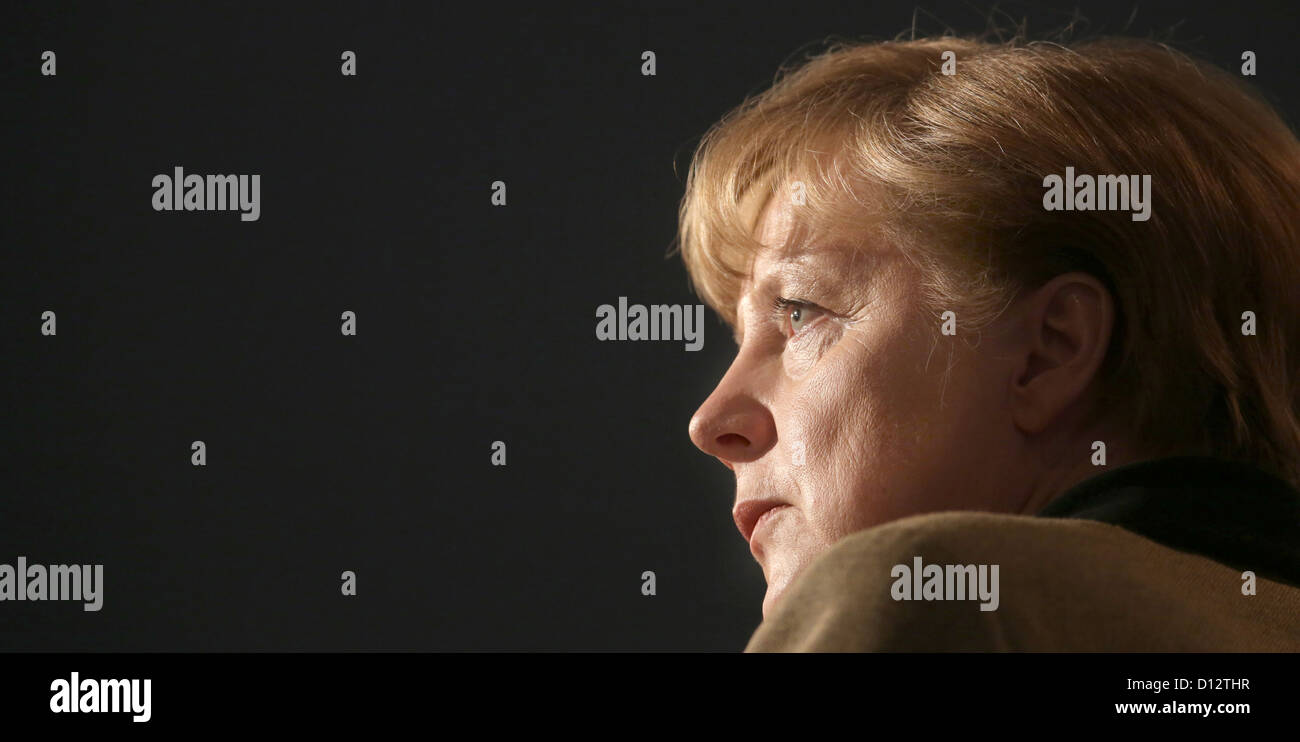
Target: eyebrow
{"x": 765, "y": 286}
{"x": 800, "y": 276}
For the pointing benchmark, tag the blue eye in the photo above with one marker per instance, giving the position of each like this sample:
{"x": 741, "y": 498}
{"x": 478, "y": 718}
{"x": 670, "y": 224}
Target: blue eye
{"x": 795, "y": 315}
{"x": 796, "y": 320}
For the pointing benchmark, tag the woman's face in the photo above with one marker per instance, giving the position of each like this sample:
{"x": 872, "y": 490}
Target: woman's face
{"x": 846, "y": 408}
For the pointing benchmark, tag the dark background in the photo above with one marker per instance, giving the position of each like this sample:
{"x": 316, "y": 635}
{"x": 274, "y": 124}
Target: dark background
{"x": 476, "y": 323}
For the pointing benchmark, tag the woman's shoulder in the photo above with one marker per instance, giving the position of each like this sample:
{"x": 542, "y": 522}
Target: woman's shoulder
{"x": 966, "y": 581}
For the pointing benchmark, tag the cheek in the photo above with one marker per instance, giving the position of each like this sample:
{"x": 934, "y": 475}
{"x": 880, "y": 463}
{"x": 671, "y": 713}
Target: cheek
{"x": 802, "y": 355}
{"x": 861, "y": 414}
{"x": 894, "y": 421}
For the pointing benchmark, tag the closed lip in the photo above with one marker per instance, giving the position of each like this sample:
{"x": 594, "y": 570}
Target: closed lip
{"x": 747, "y": 513}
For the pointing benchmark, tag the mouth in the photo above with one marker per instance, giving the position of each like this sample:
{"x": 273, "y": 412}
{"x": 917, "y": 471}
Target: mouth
{"x": 755, "y": 539}
{"x": 750, "y": 514}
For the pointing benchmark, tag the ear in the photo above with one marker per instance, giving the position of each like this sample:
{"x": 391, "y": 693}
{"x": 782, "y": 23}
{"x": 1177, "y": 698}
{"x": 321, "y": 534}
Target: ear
{"x": 1066, "y": 327}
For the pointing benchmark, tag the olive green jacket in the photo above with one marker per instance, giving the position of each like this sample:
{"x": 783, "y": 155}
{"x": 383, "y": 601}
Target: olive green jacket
{"x": 1177, "y": 555}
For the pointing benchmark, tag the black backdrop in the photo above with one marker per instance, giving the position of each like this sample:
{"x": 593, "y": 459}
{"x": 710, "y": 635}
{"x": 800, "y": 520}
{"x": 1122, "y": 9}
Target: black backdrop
{"x": 475, "y": 323}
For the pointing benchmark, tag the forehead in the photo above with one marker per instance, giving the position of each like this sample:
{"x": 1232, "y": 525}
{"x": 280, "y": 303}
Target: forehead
{"x": 791, "y": 250}
{"x": 796, "y": 263}
{"x": 774, "y": 221}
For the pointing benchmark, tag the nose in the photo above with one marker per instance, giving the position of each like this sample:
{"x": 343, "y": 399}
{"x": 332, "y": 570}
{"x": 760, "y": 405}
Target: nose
{"x": 733, "y": 425}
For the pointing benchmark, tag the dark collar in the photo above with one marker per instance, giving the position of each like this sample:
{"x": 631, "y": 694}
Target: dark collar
{"x": 1232, "y": 513}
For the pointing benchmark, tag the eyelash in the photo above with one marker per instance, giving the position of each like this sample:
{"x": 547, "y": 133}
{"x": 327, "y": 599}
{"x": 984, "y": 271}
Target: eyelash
{"x": 780, "y": 303}
{"x": 781, "y": 307}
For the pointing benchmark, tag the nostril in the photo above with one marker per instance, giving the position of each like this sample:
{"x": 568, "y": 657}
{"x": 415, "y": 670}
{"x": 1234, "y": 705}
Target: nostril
{"x": 728, "y": 440}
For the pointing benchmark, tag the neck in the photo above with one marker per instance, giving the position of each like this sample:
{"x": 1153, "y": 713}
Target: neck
{"x": 1062, "y": 466}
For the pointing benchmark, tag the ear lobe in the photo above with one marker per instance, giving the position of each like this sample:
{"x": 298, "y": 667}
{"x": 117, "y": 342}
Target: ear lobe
{"x": 1067, "y": 326}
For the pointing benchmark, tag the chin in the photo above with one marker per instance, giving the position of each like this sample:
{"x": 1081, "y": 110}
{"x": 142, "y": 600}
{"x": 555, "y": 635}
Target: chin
{"x": 784, "y": 564}
{"x": 775, "y": 589}
{"x": 769, "y": 601}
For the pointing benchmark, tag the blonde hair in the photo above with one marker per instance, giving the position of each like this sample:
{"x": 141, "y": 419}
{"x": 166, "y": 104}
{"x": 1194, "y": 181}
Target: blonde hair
{"x": 950, "y": 169}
